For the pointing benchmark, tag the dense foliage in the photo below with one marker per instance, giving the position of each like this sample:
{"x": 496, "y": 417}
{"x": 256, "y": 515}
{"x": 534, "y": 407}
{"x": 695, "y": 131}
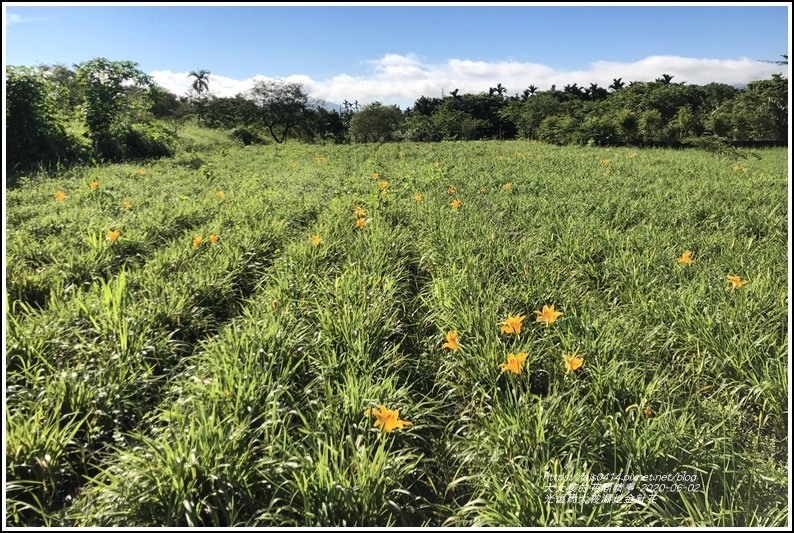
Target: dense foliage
{"x": 35, "y": 127}
{"x": 53, "y": 112}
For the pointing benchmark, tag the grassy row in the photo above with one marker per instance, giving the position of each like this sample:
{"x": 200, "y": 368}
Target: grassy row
{"x": 90, "y": 364}
{"x": 287, "y": 384}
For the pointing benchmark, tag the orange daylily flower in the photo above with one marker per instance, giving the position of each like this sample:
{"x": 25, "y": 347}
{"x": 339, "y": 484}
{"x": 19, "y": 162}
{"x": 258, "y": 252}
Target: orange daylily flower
{"x": 736, "y": 281}
{"x": 213, "y": 239}
{"x": 418, "y": 197}
{"x": 220, "y": 194}
{"x": 60, "y": 196}
{"x": 513, "y": 324}
{"x": 451, "y": 189}
{"x": 383, "y": 184}
{"x": 127, "y": 205}
{"x": 514, "y": 362}
{"x": 141, "y": 172}
{"x": 455, "y": 204}
{"x": 315, "y": 239}
{"x": 94, "y": 184}
{"x": 197, "y": 242}
{"x": 359, "y": 212}
{"x": 548, "y": 315}
{"x": 387, "y": 419}
{"x": 572, "y": 362}
{"x": 508, "y": 185}
{"x": 112, "y": 235}
{"x": 361, "y": 222}
{"x": 452, "y": 340}
{"x": 686, "y": 257}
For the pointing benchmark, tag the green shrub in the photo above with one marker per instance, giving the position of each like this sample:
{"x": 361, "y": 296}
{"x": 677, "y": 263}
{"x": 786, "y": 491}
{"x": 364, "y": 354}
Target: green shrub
{"x": 34, "y": 134}
{"x": 147, "y": 140}
{"x": 241, "y": 133}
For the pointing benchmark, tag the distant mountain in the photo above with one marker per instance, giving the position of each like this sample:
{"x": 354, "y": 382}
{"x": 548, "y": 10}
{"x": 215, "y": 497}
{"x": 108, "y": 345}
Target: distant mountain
{"x": 316, "y": 103}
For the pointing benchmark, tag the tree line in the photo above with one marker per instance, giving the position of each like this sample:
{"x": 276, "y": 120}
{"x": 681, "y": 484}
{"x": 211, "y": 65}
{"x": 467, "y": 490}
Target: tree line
{"x": 110, "y": 110}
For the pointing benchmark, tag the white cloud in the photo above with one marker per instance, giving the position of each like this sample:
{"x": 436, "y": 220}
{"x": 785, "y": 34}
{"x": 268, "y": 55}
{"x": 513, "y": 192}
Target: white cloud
{"x": 13, "y": 18}
{"x": 401, "y": 79}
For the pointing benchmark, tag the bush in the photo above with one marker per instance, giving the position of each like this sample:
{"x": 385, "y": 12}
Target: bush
{"x": 35, "y": 137}
{"x": 241, "y": 133}
{"x": 148, "y": 140}
{"x": 135, "y": 141}
{"x": 557, "y": 130}
{"x": 599, "y": 131}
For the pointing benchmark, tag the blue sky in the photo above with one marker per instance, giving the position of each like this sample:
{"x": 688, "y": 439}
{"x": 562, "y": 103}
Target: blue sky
{"x": 398, "y": 52}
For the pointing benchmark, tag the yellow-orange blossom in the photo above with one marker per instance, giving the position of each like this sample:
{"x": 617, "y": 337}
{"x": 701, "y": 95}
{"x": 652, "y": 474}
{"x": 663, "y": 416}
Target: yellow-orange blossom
{"x": 452, "y": 340}
{"x": 514, "y": 362}
{"x": 387, "y": 419}
{"x": 572, "y": 362}
{"x": 513, "y": 324}
{"x": 548, "y": 315}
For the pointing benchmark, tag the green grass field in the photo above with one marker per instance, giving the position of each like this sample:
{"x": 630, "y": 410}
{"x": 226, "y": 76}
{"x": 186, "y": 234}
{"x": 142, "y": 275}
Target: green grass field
{"x": 155, "y": 380}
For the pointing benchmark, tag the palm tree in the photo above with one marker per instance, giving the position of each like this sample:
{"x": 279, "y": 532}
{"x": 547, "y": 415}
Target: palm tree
{"x": 499, "y": 89}
{"x": 202, "y": 82}
{"x": 665, "y": 79}
{"x": 201, "y": 85}
{"x": 617, "y": 84}
{"x": 574, "y": 90}
{"x": 596, "y": 93}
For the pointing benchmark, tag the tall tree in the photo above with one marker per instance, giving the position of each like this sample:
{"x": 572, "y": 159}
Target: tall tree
{"x": 201, "y": 83}
{"x": 69, "y": 95}
{"x": 499, "y": 90}
{"x": 574, "y": 90}
{"x": 111, "y": 92}
{"x": 375, "y": 123}
{"x": 665, "y": 79}
{"x": 282, "y": 106}
{"x": 617, "y": 84}
{"x": 426, "y": 105}
{"x": 595, "y": 92}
